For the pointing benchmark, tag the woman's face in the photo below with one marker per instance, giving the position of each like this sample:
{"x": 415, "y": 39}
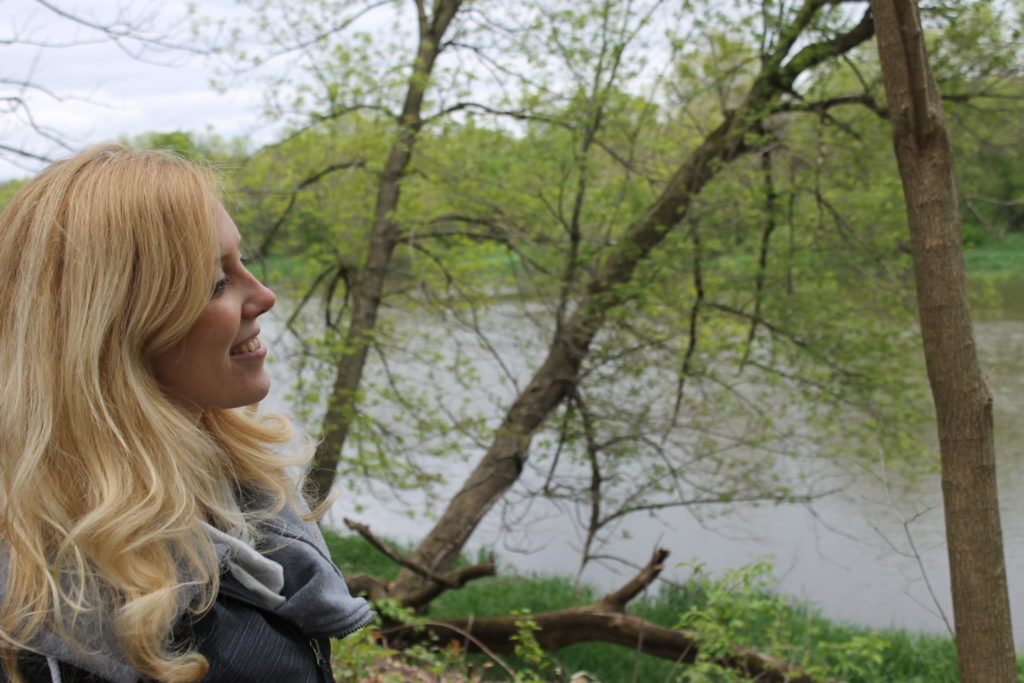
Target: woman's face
{"x": 219, "y": 362}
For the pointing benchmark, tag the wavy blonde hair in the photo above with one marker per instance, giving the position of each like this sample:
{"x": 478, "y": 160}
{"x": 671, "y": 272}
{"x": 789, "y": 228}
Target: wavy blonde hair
{"x": 106, "y": 259}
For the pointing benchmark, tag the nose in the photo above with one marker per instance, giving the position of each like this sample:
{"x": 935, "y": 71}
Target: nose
{"x": 261, "y": 299}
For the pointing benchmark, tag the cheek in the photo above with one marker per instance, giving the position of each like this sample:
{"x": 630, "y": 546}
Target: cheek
{"x": 213, "y": 331}
{"x": 205, "y": 344}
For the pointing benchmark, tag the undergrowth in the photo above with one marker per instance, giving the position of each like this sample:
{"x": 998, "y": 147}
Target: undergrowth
{"x": 737, "y": 608}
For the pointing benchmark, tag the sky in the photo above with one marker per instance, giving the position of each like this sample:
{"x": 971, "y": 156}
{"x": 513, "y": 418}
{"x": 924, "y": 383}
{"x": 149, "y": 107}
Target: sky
{"x": 100, "y": 93}
{"x": 95, "y": 92}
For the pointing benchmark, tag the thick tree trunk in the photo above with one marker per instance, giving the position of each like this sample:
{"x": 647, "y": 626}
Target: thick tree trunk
{"x": 501, "y": 466}
{"x": 963, "y": 404}
{"x": 369, "y": 286}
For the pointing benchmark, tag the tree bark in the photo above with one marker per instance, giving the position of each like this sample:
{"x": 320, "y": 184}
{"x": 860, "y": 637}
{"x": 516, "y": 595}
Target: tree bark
{"x": 503, "y": 462}
{"x": 963, "y": 404}
{"x": 369, "y": 286}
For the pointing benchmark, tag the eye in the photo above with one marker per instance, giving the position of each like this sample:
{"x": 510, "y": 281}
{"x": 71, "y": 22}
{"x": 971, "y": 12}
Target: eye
{"x": 220, "y": 286}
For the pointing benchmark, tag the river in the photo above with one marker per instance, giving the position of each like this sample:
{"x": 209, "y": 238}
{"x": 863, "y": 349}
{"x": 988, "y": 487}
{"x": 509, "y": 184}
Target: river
{"x": 872, "y": 554}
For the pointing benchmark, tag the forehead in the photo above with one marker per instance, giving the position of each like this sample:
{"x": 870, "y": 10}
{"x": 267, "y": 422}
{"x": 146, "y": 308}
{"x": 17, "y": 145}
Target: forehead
{"x": 227, "y": 232}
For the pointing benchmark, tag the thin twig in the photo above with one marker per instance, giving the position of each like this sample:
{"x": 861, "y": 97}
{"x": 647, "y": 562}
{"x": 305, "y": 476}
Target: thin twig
{"x": 426, "y": 573}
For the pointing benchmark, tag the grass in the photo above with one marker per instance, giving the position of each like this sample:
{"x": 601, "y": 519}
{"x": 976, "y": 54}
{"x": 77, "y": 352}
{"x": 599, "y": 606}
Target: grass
{"x": 1001, "y": 257}
{"x": 760, "y": 620}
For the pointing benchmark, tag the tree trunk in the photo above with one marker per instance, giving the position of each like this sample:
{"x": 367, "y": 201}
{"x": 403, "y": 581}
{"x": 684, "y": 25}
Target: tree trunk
{"x": 963, "y": 404}
{"x": 369, "y": 286}
{"x": 501, "y": 466}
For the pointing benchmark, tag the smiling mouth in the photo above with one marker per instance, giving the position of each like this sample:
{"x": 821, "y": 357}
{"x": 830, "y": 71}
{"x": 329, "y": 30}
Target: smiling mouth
{"x": 247, "y": 347}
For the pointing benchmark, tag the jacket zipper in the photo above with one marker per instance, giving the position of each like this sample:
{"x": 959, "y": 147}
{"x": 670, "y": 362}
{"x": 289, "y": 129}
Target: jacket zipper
{"x": 323, "y": 665}
{"x": 315, "y": 645}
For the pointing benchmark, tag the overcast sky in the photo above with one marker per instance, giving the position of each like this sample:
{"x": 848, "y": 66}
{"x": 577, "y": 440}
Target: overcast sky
{"x": 105, "y": 93}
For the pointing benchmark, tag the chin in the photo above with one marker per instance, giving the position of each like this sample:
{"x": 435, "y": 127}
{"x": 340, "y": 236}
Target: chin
{"x": 256, "y": 395}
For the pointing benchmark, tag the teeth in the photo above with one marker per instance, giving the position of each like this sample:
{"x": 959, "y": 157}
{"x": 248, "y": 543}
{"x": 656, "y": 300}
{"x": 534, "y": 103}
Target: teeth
{"x": 247, "y": 347}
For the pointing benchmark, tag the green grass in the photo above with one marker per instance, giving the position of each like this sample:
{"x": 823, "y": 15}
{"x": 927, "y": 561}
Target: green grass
{"x": 760, "y": 620}
{"x": 353, "y": 555}
{"x": 996, "y": 256}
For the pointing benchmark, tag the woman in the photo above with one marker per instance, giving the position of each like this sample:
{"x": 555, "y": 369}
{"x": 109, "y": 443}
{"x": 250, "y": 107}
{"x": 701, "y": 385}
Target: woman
{"x": 148, "y": 530}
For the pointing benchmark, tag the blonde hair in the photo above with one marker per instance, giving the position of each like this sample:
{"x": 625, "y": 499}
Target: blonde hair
{"x": 106, "y": 259}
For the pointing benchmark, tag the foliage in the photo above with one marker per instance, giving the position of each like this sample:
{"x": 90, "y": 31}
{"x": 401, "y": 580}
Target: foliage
{"x": 989, "y": 167}
{"x": 7, "y": 190}
{"x": 722, "y": 354}
{"x": 537, "y": 664}
{"x": 738, "y": 607}
{"x": 353, "y": 656}
{"x": 208, "y": 149}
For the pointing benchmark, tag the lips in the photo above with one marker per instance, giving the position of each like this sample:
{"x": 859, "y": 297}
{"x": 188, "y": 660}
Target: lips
{"x": 248, "y": 346}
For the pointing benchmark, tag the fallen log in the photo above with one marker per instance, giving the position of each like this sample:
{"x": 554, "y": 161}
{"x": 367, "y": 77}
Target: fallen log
{"x": 589, "y": 623}
{"x": 607, "y": 621}
{"x": 603, "y": 621}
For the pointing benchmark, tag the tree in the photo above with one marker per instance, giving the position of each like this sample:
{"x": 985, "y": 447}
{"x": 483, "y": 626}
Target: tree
{"x": 605, "y": 289}
{"x": 344, "y": 95}
{"x": 384, "y": 234}
{"x": 963, "y": 404}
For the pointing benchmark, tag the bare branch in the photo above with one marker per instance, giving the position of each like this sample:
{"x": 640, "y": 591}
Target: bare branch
{"x": 618, "y": 599}
{"x": 365, "y": 532}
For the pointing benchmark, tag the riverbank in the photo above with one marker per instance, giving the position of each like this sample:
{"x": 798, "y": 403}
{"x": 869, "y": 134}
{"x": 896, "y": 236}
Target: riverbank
{"x": 738, "y": 607}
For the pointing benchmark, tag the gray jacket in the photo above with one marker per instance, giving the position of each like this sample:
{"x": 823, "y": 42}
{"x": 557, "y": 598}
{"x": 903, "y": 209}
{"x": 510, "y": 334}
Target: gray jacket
{"x": 242, "y": 638}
